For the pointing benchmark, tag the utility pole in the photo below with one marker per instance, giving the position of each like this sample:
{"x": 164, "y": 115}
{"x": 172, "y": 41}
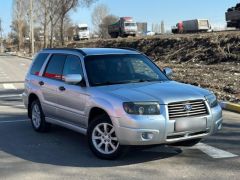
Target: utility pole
{"x": 1, "y": 37}
{"x": 31, "y": 28}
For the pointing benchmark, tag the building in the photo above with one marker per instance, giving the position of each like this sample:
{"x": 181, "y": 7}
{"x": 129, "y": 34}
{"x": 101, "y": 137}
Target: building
{"x": 142, "y": 27}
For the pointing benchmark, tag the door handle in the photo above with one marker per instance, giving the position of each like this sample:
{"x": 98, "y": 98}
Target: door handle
{"x": 61, "y": 88}
{"x": 41, "y": 83}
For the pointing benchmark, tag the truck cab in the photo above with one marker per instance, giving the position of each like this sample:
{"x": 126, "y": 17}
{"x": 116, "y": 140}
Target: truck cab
{"x": 128, "y": 27}
{"x": 83, "y": 32}
{"x": 124, "y": 27}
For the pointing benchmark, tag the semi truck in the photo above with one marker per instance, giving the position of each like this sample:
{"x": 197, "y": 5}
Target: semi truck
{"x": 82, "y": 32}
{"x": 124, "y": 27}
{"x": 233, "y": 17}
{"x": 192, "y": 26}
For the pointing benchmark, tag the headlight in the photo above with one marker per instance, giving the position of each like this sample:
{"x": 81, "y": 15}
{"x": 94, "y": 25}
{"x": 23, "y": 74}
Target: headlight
{"x": 212, "y": 100}
{"x": 142, "y": 108}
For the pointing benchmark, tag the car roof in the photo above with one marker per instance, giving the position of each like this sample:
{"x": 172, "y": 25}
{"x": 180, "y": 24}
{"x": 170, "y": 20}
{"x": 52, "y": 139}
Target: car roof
{"x": 96, "y": 51}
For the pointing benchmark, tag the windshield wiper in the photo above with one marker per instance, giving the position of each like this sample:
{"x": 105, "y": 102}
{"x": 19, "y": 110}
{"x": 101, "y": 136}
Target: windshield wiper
{"x": 147, "y": 80}
{"x": 111, "y": 83}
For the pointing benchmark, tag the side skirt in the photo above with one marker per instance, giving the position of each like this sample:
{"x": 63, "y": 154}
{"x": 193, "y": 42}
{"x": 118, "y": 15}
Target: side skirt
{"x": 67, "y": 125}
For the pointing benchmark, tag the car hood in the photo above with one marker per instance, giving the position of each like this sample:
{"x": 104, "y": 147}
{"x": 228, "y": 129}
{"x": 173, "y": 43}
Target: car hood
{"x": 163, "y": 92}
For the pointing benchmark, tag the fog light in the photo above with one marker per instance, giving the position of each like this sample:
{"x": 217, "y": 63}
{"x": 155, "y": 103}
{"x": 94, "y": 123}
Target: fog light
{"x": 147, "y": 135}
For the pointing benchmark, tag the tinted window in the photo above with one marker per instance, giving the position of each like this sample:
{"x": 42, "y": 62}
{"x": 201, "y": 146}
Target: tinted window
{"x": 72, "y": 66}
{"x": 119, "y": 69}
{"x": 55, "y": 67}
{"x": 38, "y": 62}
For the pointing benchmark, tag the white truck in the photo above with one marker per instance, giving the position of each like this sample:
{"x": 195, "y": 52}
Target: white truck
{"x": 124, "y": 27}
{"x": 82, "y": 32}
{"x": 192, "y": 26}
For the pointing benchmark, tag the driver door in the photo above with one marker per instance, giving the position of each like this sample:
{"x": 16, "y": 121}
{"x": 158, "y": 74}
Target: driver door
{"x": 72, "y": 97}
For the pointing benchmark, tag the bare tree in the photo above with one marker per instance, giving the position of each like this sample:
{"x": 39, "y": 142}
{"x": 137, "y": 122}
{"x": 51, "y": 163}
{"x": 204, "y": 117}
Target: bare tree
{"x": 45, "y": 20}
{"x": 99, "y": 13}
{"x": 19, "y": 12}
{"x": 68, "y": 28}
{"x": 103, "y": 28}
{"x": 66, "y": 7}
{"x": 50, "y": 16}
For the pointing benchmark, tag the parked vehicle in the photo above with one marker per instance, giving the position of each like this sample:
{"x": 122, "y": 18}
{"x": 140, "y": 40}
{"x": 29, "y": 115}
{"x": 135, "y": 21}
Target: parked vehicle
{"x": 6, "y": 50}
{"x": 233, "y": 17}
{"x": 150, "y": 33}
{"x": 123, "y": 28}
{"x": 118, "y": 98}
{"x": 191, "y": 26}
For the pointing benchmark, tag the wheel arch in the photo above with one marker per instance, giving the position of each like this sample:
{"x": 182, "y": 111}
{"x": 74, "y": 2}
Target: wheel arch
{"x": 95, "y": 112}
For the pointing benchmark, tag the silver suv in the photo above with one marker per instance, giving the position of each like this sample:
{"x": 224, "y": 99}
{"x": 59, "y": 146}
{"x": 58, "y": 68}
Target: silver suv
{"x": 118, "y": 98}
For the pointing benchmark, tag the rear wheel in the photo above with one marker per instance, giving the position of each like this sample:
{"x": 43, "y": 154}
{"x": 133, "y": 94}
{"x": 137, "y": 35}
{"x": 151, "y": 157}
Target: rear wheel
{"x": 102, "y": 139}
{"x": 187, "y": 143}
{"x": 37, "y": 117}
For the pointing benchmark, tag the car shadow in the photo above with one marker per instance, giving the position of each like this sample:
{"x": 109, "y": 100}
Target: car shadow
{"x": 63, "y": 147}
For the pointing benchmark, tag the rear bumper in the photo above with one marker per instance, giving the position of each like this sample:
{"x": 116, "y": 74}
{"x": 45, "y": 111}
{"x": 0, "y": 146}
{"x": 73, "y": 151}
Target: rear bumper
{"x": 160, "y": 130}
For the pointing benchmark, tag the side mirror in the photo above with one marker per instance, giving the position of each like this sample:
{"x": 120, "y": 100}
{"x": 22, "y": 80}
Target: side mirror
{"x": 168, "y": 71}
{"x": 73, "y": 78}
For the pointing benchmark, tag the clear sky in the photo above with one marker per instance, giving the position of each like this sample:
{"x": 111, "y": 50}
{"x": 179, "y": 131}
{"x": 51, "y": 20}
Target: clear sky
{"x": 151, "y": 11}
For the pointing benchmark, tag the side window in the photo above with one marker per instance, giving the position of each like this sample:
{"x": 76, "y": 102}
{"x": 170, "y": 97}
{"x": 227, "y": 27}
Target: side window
{"x": 55, "y": 66}
{"x": 72, "y": 66}
{"x": 38, "y": 62}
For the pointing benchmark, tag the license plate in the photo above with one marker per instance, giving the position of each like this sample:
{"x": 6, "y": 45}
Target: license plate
{"x": 191, "y": 124}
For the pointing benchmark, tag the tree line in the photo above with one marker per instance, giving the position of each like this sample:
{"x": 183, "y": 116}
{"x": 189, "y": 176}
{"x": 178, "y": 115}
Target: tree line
{"x": 51, "y": 19}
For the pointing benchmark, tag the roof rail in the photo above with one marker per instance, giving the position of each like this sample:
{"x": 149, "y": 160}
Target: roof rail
{"x": 68, "y": 49}
{"x": 131, "y": 49}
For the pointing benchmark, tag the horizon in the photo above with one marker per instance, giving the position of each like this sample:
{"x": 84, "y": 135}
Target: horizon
{"x": 158, "y": 11}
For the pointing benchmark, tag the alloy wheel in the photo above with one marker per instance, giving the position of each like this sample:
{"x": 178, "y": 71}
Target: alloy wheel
{"x": 104, "y": 138}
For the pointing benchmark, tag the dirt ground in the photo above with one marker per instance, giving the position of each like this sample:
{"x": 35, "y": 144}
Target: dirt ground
{"x": 209, "y": 60}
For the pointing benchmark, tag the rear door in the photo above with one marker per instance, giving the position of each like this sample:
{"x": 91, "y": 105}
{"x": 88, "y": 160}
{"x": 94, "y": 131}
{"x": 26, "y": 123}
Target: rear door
{"x": 50, "y": 81}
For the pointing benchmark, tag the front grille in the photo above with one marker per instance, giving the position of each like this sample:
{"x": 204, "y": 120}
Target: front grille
{"x": 187, "y": 109}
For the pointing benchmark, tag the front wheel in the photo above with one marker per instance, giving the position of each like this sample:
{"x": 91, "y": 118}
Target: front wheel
{"x": 102, "y": 139}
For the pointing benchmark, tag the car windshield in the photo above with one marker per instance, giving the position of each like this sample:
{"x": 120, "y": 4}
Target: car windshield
{"x": 121, "y": 69}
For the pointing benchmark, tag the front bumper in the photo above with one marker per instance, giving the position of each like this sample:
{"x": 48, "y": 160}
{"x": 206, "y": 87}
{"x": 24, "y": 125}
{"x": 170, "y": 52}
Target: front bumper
{"x": 151, "y": 130}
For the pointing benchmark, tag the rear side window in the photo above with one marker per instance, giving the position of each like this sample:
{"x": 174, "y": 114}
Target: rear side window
{"x": 38, "y": 62}
{"x": 55, "y": 66}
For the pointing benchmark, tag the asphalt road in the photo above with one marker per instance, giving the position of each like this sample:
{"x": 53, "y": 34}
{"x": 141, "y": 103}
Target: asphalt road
{"x": 63, "y": 154}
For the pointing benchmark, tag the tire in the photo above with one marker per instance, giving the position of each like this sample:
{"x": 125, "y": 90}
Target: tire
{"x": 101, "y": 133}
{"x": 187, "y": 143}
{"x": 37, "y": 117}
